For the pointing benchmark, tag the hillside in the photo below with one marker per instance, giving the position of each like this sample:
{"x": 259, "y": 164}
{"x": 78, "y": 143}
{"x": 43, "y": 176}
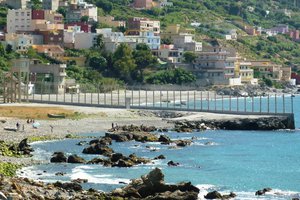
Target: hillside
{"x": 216, "y": 17}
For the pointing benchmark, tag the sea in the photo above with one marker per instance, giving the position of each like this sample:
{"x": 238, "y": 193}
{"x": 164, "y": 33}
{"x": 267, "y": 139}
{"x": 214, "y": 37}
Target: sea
{"x": 238, "y": 161}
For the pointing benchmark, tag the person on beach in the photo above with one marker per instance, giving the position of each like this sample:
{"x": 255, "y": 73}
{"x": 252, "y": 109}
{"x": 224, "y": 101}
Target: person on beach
{"x": 51, "y": 127}
{"x": 18, "y": 126}
{"x": 28, "y": 121}
{"x": 23, "y": 127}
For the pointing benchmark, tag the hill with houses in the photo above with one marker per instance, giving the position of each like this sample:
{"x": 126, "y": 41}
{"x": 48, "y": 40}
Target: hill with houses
{"x": 116, "y": 42}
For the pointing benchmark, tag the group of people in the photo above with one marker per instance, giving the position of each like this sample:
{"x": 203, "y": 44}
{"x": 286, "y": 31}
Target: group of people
{"x": 114, "y": 127}
{"x": 30, "y": 121}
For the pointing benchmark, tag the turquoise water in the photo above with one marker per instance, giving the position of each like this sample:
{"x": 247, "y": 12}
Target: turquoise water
{"x": 239, "y": 161}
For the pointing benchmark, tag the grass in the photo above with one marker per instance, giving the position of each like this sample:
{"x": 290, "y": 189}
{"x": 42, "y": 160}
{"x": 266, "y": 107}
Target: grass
{"x": 9, "y": 169}
{"x": 38, "y": 112}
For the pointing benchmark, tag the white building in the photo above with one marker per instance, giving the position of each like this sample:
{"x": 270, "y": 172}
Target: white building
{"x": 169, "y": 53}
{"x": 50, "y": 4}
{"x": 186, "y": 42}
{"x": 85, "y": 40}
{"x": 90, "y": 11}
{"x": 19, "y": 20}
{"x": 21, "y": 42}
{"x": 148, "y": 37}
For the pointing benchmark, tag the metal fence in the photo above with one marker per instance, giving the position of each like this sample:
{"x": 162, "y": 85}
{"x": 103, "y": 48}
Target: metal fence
{"x": 182, "y": 99}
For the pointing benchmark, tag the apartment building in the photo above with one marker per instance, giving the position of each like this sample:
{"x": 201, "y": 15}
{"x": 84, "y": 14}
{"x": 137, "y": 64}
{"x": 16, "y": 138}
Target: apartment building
{"x": 19, "y": 21}
{"x": 54, "y": 51}
{"x": 85, "y": 40}
{"x": 138, "y": 24}
{"x": 21, "y": 42}
{"x": 147, "y": 37}
{"x": 169, "y": 53}
{"x": 267, "y": 69}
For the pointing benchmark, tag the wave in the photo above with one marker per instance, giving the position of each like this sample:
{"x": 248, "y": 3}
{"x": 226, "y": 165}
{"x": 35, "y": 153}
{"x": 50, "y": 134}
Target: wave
{"x": 79, "y": 172}
{"x": 205, "y": 144}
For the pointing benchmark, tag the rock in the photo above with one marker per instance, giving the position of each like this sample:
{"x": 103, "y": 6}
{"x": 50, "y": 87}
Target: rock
{"x": 213, "y": 195}
{"x": 160, "y": 157}
{"x": 152, "y": 186}
{"x": 79, "y": 180}
{"x": 103, "y": 141}
{"x": 116, "y": 157}
{"x": 229, "y": 196}
{"x": 96, "y": 161}
{"x": 183, "y": 143}
{"x": 58, "y": 157}
{"x": 75, "y": 159}
{"x": 25, "y": 147}
{"x": 82, "y": 143}
{"x": 172, "y": 163}
{"x": 263, "y": 191}
{"x": 164, "y": 139}
{"x": 60, "y": 173}
{"x": 98, "y": 149}
{"x": 68, "y": 186}
{"x": 123, "y": 163}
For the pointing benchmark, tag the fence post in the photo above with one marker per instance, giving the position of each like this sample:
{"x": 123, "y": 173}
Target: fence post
{"x": 71, "y": 97}
{"x": 245, "y": 104}
{"x": 167, "y": 98}
{"x": 208, "y": 100}
{"x": 146, "y": 97}
{"x": 79, "y": 94}
{"x": 275, "y": 103}
{"x": 222, "y": 102}
{"x": 92, "y": 94}
{"x": 237, "y": 103}
{"x": 260, "y": 103}
{"x": 194, "y": 100}
{"x": 84, "y": 97}
{"x": 174, "y": 99}
{"x": 252, "y": 104}
{"x": 131, "y": 96}
{"x": 215, "y": 101}
{"x": 180, "y": 99}
{"x": 268, "y": 103}
{"x": 283, "y": 103}
{"x": 41, "y": 91}
{"x": 201, "y": 99}
{"x": 154, "y": 98}
{"x": 49, "y": 93}
{"x": 140, "y": 96}
{"x": 292, "y": 103}
{"x": 188, "y": 99}
{"x": 160, "y": 97}
{"x": 98, "y": 94}
{"x": 230, "y": 102}
{"x": 111, "y": 96}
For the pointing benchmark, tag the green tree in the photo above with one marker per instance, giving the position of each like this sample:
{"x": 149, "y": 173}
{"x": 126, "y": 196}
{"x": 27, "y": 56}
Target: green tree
{"x": 8, "y": 49}
{"x": 124, "y": 63}
{"x": 2, "y": 50}
{"x": 143, "y": 59}
{"x": 99, "y": 41}
{"x": 96, "y": 61}
{"x": 189, "y": 57}
{"x": 62, "y": 11}
{"x": 84, "y": 19}
{"x": 36, "y": 4}
{"x": 105, "y": 5}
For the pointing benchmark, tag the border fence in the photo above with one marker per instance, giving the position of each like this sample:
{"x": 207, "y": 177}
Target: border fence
{"x": 161, "y": 98}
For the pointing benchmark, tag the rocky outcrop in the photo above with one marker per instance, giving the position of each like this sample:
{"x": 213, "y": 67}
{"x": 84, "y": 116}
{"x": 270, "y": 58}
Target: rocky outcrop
{"x": 68, "y": 186}
{"x": 262, "y": 192}
{"x": 58, "y": 157}
{"x": 133, "y": 128}
{"x": 75, "y": 159}
{"x": 217, "y": 195}
{"x": 152, "y": 186}
{"x": 259, "y": 123}
{"x": 172, "y": 163}
{"x": 25, "y": 147}
{"x": 97, "y": 148}
{"x": 128, "y": 136}
{"x": 160, "y": 157}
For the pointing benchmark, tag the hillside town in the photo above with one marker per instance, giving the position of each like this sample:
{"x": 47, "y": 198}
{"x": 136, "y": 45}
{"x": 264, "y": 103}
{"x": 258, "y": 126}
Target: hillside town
{"x": 48, "y": 32}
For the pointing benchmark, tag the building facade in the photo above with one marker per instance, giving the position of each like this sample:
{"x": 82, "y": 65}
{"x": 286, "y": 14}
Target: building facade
{"x": 50, "y": 4}
{"x": 19, "y": 21}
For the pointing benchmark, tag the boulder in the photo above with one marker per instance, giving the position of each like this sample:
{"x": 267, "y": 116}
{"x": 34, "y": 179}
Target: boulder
{"x": 164, "y": 139}
{"x": 152, "y": 186}
{"x": 79, "y": 180}
{"x": 172, "y": 163}
{"x": 116, "y": 157}
{"x": 75, "y": 159}
{"x": 183, "y": 143}
{"x": 263, "y": 191}
{"x": 98, "y": 149}
{"x": 82, "y": 143}
{"x": 123, "y": 163}
{"x": 68, "y": 186}
{"x": 60, "y": 173}
{"x": 25, "y": 147}
{"x": 213, "y": 195}
{"x": 58, "y": 157}
{"x": 160, "y": 157}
